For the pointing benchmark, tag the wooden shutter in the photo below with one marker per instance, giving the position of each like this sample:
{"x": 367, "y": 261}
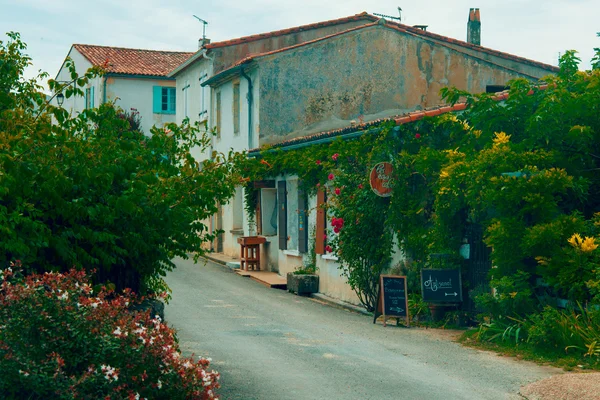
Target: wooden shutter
{"x": 282, "y": 207}
{"x": 302, "y": 221}
{"x": 92, "y": 95}
{"x": 156, "y": 99}
{"x": 258, "y": 213}
{"x": 320, "y": 228}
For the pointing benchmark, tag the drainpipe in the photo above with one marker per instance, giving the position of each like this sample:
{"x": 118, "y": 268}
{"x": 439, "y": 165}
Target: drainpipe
{"x": 250, "y": 98}
{"x": 104, "y": 90}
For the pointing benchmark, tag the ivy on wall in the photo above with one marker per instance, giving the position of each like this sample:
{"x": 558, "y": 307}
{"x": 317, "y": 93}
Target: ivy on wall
{"x": 526, "y": 169}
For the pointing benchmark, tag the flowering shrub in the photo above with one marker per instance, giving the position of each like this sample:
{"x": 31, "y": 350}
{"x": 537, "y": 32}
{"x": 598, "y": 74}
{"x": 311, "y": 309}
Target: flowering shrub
{"x": 60, "y": 340}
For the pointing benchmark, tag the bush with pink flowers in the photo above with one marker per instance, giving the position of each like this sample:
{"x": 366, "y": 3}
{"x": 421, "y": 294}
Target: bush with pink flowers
{"x": 61, "y": 340}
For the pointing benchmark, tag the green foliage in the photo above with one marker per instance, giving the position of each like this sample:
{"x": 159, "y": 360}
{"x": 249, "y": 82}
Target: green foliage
{"x": 513, "y": 297}
{"x": 59, "y": 339}
{"x": 92, "y": 191}
{"x": 525, "y": 169}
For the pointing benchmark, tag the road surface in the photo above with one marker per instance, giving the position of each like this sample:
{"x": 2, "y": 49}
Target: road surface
{"x": 269, "y": 344}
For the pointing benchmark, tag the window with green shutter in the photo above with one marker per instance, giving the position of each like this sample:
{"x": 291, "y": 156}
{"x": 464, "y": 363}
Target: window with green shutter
{"x": 163, "y": 100}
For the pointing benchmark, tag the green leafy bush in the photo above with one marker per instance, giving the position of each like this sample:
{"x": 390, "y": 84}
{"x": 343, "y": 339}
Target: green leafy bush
{"x": 92, "y": 191}
{"x": 60, "y": 340}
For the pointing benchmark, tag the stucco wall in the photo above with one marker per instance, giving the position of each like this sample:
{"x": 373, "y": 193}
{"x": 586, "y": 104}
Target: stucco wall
{"x": 195, "y": 108}
{"x": 76, "y": 104}
{"x": 227, "y": 56}
{"x": 138, "y": 93}
{"x": 365, "y": 74}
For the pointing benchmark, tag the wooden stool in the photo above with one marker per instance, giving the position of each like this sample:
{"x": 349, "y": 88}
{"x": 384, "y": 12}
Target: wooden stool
{"x": 250, "y": 252}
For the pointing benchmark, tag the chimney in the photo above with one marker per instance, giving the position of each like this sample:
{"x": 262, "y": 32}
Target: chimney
{"x": 202, "y": 42}
{"x": 474, "y": 27}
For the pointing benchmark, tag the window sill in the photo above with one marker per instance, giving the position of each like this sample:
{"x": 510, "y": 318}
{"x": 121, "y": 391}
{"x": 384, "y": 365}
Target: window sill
{"x": 293, "y": 253}
{"x": 164, "y": 113}
{"x": 237, "y": 231}
{"x": 330, "y": 257}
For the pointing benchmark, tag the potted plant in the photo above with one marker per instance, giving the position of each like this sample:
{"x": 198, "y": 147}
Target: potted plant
{"x": 303, "y": 280}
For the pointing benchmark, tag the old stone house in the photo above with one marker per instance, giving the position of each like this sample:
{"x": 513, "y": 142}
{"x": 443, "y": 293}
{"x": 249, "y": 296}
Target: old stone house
{"x": 298, "y": 92}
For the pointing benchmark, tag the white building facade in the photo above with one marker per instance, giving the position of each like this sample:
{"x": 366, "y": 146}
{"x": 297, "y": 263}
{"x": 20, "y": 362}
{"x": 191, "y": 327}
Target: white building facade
{"x": 135, "y": 80}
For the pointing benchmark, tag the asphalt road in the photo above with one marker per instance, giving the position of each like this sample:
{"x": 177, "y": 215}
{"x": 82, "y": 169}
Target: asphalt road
{"x": 269, "y": 344}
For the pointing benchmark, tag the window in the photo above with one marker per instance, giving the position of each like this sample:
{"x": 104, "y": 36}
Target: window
{"x": 236, "y": 108}
{"x": 185, "y": 90}
{"x": 203, "y": 113}
{"x": 164, "y": 100}
{"x": 218, "y": 113}
{"x": 89, "y": 97}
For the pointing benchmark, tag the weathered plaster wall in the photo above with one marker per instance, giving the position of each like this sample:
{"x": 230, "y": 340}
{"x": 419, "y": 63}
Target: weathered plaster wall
{"x": 227, "y": 56}
{"x": 365, "y": 74}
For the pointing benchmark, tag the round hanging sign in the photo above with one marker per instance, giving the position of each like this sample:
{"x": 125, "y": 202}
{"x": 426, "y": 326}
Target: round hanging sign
{"x": 381, "y": 179}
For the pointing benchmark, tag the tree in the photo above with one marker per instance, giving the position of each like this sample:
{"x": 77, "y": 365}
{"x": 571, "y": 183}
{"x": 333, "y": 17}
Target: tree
{"x": 92, "y": 191}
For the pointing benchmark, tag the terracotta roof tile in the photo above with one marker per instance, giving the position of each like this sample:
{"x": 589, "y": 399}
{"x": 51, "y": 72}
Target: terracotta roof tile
{"x": 357, "y": 17}
{"x": 121, "y": 60}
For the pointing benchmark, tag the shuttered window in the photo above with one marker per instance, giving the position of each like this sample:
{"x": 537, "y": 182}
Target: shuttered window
{"x": 320, "y": 227}
{"x": 282, "y": 207}
{"x": 302, "y": 221}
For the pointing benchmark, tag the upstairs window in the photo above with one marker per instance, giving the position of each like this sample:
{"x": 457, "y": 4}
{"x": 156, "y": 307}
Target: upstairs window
{"x": 164, "y": 100}
{"x": 89, "y": 97}
{"x": 218, "y": 113}
{"x": 236, "y": 108}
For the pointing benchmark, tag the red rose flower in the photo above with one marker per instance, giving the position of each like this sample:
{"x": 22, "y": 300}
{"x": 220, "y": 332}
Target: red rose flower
{"x": 328, "y": 248}
{"x": 318, "y": 162}
{"x": 331, "y": 176}
{"x": 360, "y": 185}
{"x": 338, "y": 191}
{"x": 334, "y": 157}
{"x": 418, "y": 136}
{"x": 336, "y": 229}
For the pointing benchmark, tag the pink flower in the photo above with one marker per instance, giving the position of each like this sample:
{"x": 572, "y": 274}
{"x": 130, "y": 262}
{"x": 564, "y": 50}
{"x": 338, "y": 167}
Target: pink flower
{"x": 418, "y": 135}
{"x": 331, "y": 177}
{"x": 338, "y": 191}
{"x": 318, "y": 184}
{"x": 328, "y": 248}
{"x": 318, "y": 162}
{"x": 360, "y": 185}
{"x": 335, "y": 157}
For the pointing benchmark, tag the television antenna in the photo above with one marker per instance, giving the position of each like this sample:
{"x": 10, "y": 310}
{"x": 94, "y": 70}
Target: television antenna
{"x": 398, "y": 18}
{"x": 204, "y": 23}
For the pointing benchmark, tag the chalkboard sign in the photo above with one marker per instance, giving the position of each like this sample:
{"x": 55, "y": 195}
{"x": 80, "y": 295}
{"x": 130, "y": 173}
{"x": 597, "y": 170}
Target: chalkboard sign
{"x": 441, "y": 285}
{"x": 392, "y": 300}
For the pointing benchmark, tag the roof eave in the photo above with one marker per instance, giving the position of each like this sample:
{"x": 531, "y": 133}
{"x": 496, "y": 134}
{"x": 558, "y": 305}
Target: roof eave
{"x": 199, "y": 54}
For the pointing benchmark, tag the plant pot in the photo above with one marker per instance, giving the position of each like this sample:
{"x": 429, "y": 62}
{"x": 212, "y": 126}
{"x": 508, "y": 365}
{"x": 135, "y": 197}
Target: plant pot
{"x": 438, "y": 311}
{"x": 302, "y": 284}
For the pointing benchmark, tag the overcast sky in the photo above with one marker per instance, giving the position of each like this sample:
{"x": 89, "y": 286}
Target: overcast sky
{"x": 538, "y": 30}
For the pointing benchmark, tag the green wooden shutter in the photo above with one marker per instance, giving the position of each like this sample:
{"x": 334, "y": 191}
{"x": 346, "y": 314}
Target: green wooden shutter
{"x": 157, "y": 99}
{"x": 320, "y": 228}
{"x": 92, "y": 98}
{"x": 302, "y": 221}
{"x": 282, "y": 207}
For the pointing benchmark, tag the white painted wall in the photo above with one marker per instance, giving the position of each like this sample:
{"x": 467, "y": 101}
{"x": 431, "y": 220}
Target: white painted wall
{"x": 137, "y": 93}
{"x": 76, "y": 104}
{"x": 127, "y": 92}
